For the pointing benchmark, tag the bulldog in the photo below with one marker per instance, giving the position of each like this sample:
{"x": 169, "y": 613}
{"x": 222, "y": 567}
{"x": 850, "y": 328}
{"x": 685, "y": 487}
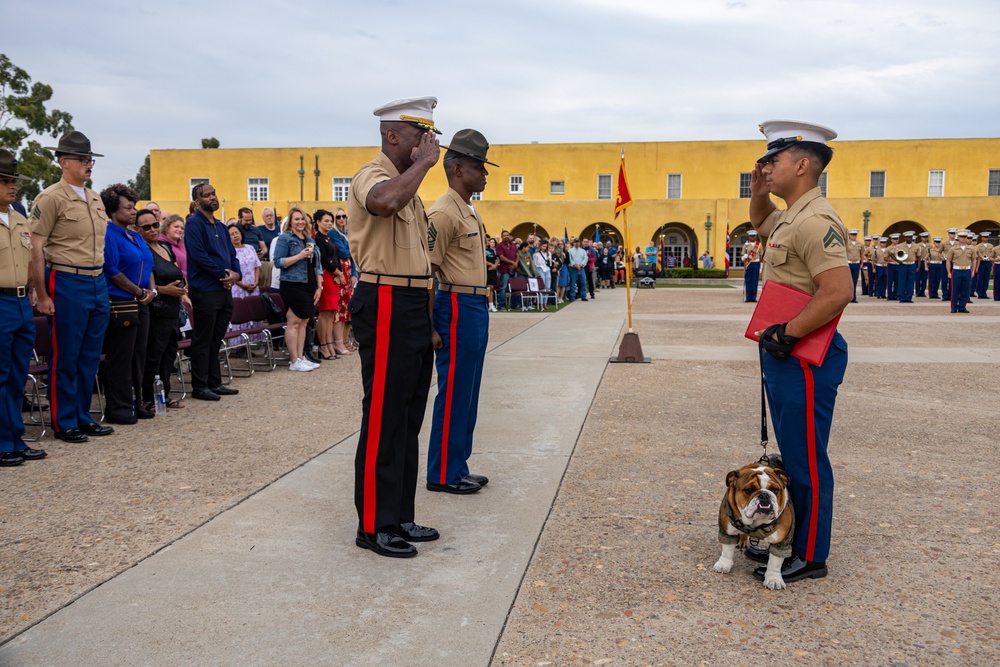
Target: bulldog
{"x": 757, "y": 504}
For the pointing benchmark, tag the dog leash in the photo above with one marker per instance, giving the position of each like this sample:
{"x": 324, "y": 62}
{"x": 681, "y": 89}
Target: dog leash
{"x": 763, "y": 406}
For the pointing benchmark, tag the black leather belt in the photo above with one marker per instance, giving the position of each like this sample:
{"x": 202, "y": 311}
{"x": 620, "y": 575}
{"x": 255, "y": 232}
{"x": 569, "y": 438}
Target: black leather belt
{"x": 19, "y": 292}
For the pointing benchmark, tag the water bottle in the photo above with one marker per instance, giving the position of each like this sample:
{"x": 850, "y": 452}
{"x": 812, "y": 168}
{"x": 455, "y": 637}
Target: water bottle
{"x": 161, "y": 396}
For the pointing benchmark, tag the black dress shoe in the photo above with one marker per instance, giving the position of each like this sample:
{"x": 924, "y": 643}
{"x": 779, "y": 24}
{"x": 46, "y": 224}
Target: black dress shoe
{"x": 756, "y": 554}
{"x": 143, "y": 413}
{"x": 72, "y": 435}
{"x": 96, "y": 429}
{"x": 312, "y": 358}
{"x": 8, "y": 459}
{"x": 32, "y": 454}
{"x": 125, "y": 421}
{"x": 411, "y": 532}
{"x": 481, "y": 480}
{"x": 461, "y": 488}
{"x": 204, "y": 395}
{"x": 794, "y": 569}
{"x": 225, "y": 391}
{"x": 386, "y": 544}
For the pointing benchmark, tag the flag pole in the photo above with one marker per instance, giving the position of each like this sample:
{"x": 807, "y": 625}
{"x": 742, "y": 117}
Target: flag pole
{"x": 630, "y": 350}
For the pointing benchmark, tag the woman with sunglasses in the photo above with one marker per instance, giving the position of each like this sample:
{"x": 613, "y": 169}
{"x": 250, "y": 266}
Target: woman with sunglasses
{"x": 342, "y": 318}
{"x": 128, "y": 268}
{"x": 164, "y": 310}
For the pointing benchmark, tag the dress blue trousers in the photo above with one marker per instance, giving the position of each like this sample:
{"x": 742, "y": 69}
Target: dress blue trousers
{"x": 892, "y": 272}
{"x": 880, "y": 282}
{"x": 463, "y": 324}
{"x": 961, "y": 286}
{"x": 802, "y": 398}
{"x": 983, "y": 279}
{"x": 906, "y": 276}
{"x": 17, "y": 338}
{"x": 751, "y": 277}
{"x": 921, "y": 289}
{"x": 78, "y": 326}
{"x": 855, "y": 272}
{"x": 936, "y": 272}
{"x": 996, "y": 281}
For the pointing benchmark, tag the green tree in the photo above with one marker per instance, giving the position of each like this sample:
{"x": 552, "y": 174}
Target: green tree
{"x": 211, "y": 142}
{"x": 141, "y": 181}
{"x": 22, "y": 116}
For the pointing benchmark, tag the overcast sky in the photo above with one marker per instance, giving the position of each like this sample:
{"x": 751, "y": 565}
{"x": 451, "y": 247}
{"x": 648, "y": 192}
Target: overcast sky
{"x": 137, "y": 76}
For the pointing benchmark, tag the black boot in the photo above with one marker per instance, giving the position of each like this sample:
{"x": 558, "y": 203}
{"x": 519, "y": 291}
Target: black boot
{"x": 307, "y": 349}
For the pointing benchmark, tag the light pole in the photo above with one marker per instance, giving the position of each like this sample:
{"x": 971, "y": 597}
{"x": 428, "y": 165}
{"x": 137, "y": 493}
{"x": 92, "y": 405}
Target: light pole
{"x": 708, "y": 231}
{"x": 867, "y": 215}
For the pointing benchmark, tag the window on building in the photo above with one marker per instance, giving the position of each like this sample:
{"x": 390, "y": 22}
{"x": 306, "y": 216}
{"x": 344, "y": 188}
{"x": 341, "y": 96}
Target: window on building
{"x": 745, "y": 185}
{"x": 604, "y": 186}
{"x": 195, "y": 181}
{"x": 673, "y": 186}
{"x": 341, "y": 187}
{"x": 994, "y": 187}
{"x": 257, "y": 189}
{"x": 476, "y": 196}
{"x": 823, "y": 178}
{"x": 935, "y": 183}
{"x": 876, "y": 184}
{"x": 557, "y": 187}
{"x": 517, "y": 185}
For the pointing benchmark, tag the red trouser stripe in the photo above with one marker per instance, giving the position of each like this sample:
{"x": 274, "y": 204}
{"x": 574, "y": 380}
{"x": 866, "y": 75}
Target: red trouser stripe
{"x": 450, "y": 388}
{"x": 383, "y": 320}
{"x": 54, "y": 353}
{"x": 813, "y": 470}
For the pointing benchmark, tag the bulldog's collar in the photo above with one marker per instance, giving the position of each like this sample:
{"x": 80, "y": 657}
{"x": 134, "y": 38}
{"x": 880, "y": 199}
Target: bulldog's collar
{"x": 762, "y": 530}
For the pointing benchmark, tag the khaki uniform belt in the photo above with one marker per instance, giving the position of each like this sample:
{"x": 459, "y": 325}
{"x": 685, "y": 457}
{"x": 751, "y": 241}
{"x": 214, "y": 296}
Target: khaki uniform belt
{"x": 398, "y": 281}
{"x": 463, "y": 289}
{"x": 19, "y": 292}
{"x": 933, "y": 262}
{"x": 80, "y": 270}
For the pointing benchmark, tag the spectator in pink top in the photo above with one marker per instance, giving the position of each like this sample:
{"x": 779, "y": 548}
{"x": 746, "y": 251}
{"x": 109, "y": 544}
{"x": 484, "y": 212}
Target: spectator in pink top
{"x": 172, "y": 233}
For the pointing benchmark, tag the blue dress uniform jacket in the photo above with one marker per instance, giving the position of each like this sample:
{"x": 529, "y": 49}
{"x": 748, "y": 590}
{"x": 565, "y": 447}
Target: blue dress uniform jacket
{"x": 17, "y": 328}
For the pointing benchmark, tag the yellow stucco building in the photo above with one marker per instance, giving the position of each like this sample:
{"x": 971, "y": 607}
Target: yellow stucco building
{"x": 685, "y": 193}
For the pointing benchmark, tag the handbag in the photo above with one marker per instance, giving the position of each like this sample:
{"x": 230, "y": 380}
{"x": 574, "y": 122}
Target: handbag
{"x": 271, "y": 310}
{"x": 124, "y": 314}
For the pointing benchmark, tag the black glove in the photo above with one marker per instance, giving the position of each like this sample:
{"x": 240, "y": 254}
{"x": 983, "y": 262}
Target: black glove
{"x": 775, "y": 342}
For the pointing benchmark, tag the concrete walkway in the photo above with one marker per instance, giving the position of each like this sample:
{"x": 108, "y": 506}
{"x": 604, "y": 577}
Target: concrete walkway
{"x": 277, "y": 580}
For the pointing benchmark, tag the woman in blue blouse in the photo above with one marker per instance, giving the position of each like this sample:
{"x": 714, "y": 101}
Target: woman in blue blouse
{"x": 128, "y": 268}
{"x": 301, "y": 284}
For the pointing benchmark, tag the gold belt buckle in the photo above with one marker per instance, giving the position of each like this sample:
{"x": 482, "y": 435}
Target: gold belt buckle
{"x": 22, "y": 291}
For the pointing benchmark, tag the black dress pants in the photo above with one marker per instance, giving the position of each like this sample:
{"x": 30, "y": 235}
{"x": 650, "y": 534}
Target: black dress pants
{"x": 393, "y": 330}
{"x": 211, "y": 312}
{"x": 124, "y": 362}
{"x": 161, "y": 352}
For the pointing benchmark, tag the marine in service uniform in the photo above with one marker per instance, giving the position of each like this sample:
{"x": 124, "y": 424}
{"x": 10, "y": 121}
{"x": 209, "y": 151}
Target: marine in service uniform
{"x": 946, "y": 246}
{"x": 751, "y": 267}
{"x": 906, "y": 269}
{"x": 922, "y": 250}
{"x": 985, "y": 265}
{"x": 855, "y": 251}
{"x": 879, "y": 258}
{"x": 867, "y": 269}
{"x": 892, "y": 268}
{"x": 390, "y": 314}
{"x": 961, "y": 261}
{"x": 935, "y": 267}
{"x": 68, "y": 223}
{"x": 17, "y": 322}
{"x": 456, "y": 240}
{"x": 806, "y": 250}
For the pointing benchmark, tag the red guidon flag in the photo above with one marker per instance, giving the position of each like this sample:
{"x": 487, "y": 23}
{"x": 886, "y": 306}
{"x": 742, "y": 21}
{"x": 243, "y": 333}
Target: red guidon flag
{"x": 623, "y": 199}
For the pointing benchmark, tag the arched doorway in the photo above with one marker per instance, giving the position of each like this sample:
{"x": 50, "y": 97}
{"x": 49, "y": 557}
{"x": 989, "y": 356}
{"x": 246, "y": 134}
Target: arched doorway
{"x": 904, "y": 226}
{"x": 678, "y": 241}
{"x": 608, "y": 233}
{"x": 980, "y": 226}
{"x": 522, "y": 230}
{"x": 737, "y": 238}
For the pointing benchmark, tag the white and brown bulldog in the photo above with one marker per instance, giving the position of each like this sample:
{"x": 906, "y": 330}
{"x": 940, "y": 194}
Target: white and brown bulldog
{"x": 757, "y": 504}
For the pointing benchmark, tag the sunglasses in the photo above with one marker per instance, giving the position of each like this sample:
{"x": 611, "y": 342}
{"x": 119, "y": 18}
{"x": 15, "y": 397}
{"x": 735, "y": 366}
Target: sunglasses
{"x": 340, "y": 217}
{"x": 146, "y": 228}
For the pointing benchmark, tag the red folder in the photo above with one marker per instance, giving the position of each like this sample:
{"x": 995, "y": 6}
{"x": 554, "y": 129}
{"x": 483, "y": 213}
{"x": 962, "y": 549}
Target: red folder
{"x": 778, "y": 304}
